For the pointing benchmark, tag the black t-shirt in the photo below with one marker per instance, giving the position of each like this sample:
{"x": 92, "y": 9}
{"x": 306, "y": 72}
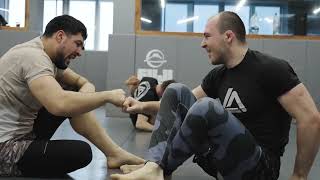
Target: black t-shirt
{"x": 250, "y": 91}
{"x": 146, "y": 91}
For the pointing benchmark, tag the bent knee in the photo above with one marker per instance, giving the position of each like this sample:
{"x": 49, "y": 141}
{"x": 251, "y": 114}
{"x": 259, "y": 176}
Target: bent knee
{"x": 206, "y": 104}
{"x": 176, "y": 89}
{"x": 84, "y": 153}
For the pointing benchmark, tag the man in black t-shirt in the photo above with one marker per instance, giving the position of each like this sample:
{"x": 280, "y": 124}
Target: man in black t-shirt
{"x": 147, "y": 89}
{"x": 237, "y": 121}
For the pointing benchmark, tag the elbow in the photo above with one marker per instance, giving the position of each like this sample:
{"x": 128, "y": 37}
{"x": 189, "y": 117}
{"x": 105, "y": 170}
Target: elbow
{"x": 314, "y": 121}
{"x": 317, "y": 121}
{"x": 57, "y": 109}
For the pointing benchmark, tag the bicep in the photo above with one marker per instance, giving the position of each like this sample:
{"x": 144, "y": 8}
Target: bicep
{"x": 198, "y": 92}
{"x": 298, "y": 103}
{"x": 47, "y": 91}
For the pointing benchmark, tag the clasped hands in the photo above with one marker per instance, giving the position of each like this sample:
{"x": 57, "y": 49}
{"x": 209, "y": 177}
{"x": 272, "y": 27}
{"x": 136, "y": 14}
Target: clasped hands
{"x": 128, "y": 104}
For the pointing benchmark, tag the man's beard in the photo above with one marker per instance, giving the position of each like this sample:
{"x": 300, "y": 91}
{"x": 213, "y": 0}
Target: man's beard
{"x": 60, "y": 62}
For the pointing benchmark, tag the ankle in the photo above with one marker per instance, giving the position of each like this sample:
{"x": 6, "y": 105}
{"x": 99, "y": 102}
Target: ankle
{"x": 115, "y": 151}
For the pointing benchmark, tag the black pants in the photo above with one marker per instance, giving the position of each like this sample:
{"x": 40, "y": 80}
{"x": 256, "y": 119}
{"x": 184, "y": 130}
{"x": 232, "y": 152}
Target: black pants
{"x": 52, "y": 158}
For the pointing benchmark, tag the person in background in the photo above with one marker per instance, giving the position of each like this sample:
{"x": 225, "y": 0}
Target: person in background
{"x": 146, "y": 89}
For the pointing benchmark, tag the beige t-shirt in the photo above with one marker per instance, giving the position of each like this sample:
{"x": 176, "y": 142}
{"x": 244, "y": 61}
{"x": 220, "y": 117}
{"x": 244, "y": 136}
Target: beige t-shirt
{"x": 18, "y": 67}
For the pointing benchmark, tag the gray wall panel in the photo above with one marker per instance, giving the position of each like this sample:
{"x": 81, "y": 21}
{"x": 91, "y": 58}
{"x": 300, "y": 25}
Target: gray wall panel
{"x": 193, "y": 63}
{"x": 93, "y": 66}
{"x": 293, "y": 51}
{"x": 11, "y": 38}
{"x": 255, "y": 44}
{"x": 78, "y": 64}
{"x": 312, "y": 70}
{"x": 121, "y": 60}
{"x": 36, "y": 16}
{"x": 123, "y": 17}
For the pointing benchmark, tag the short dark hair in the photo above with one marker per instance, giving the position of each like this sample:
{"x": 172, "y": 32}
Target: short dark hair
{"x": 165, "y": 84}
{"x": 68, "y": 24}
{"x": 231, "y": 21}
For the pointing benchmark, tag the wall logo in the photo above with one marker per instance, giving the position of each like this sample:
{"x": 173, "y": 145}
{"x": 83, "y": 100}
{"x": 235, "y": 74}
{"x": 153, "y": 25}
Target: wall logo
{"x": 155, "y": 58}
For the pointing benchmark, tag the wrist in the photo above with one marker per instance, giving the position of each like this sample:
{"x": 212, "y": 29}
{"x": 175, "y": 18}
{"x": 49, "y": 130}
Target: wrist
{"x": 297, "y": 176}
{"x": 107, "y": 96}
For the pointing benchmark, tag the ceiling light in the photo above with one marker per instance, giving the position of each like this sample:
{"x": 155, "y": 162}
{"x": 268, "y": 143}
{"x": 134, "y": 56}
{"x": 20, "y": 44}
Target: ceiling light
{"x": 188, "y": 20}
{"x": 316, "y": 11}
{"x": 146, "y": 20}
{"x": 240, "y": 5}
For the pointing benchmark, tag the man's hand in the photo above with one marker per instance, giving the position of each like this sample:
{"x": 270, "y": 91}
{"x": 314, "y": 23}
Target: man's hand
{"x": 117, "y": 97}
{"x": 132, "y": 106}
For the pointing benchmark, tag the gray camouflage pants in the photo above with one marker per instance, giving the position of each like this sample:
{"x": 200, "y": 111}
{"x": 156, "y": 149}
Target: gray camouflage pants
{"x": 186, "y": 127}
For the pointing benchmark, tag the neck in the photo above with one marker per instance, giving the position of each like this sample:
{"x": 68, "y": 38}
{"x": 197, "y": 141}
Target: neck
{"x": 236, "y": 55}
{"x": 48, "y": 47}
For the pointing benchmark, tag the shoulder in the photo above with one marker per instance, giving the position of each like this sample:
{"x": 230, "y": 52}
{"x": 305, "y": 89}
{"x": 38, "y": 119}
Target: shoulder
{"x": 216, "y": 71}
{"x": 268, "y": 62}
{"x": 151, "y": 80}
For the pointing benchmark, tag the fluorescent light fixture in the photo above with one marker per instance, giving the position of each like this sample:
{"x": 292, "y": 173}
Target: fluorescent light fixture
{"x": 163, "y": 3}
{"x": 6, "y": 10}
{"x": 188, "y": 20}
{"x": 240, "y": 5}
{"x": 316, "y": 11}
{"x": 146, "y": 20}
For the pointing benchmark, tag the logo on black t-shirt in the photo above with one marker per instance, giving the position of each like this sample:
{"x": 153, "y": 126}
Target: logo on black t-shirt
{"x": 142, "y": 90}
{"x": 229, "y": 99}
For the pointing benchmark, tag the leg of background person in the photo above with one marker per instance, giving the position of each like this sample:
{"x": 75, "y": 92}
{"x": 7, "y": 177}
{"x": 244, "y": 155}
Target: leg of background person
{"x": 143, "y": 123}
{"x": 88, "y": 126}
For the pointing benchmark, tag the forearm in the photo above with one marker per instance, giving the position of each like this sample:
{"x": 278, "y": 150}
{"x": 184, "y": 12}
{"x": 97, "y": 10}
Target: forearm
{"x": 151, "y": 107}
{"x": 308, "y": 140}
{"x": 74, "y": 103}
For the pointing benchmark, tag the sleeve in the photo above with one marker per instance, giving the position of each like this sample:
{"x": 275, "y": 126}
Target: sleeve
{"x": 278, "y": 78}
{"x": 36, "y": 66}
{"x": 209, "y": 83}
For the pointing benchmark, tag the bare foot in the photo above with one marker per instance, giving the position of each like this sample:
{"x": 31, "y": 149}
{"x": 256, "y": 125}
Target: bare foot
{"x": 150, "y": 171}
{"x": 129, "y": 168}
{"x": 122, "y": 157}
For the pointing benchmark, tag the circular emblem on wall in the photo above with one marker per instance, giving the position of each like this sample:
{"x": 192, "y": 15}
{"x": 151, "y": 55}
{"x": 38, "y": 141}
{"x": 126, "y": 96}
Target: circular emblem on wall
{"x": 155, "y": 58}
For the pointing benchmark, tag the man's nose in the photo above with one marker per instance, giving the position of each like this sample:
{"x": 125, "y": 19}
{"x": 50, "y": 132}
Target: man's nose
{"x": 79, "y": 51}
{"x": 203, "y": 44}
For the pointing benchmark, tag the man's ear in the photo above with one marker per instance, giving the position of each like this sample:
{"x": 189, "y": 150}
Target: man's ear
{"x": 229, "y": 36}
{"x": 60, "y": 35}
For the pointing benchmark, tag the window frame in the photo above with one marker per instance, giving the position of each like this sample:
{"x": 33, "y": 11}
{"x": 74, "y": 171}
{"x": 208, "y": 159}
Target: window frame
{"x": 139, "y": 31}
{"x": 26, "y": 22}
